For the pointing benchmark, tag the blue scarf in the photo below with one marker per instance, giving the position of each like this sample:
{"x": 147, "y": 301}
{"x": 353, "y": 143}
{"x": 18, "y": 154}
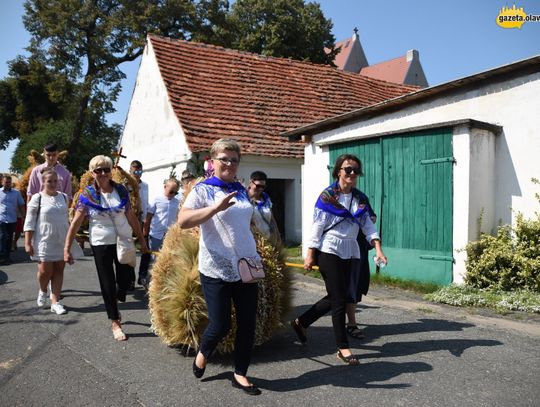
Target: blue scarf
{"x": 228, "y": 186}
{"x": 328, "y": 202}
{"x": 265, "y": 201}
{"x": 91, "y": 197}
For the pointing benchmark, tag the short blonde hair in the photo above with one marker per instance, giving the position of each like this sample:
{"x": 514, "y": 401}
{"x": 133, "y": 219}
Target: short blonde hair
{"x": 224, "y": 144}
{"x": 100, "y": 161}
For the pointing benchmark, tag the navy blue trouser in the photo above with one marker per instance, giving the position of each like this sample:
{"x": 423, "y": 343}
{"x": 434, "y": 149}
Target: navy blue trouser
{"x": 219, "y": 295}
{"x": 336, "y": 273}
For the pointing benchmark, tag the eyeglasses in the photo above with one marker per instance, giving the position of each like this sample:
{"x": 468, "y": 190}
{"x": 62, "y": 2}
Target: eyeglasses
{"x": 228, "y": 161}
{"x": 104, "y": 170}
{"x": 137, "y": 172}
{"x": 350, "y": 170}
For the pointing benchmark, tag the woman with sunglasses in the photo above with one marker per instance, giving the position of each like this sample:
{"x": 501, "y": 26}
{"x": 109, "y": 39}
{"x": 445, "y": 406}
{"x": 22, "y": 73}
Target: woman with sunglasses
{"x": 340, "y": 212}
{"x": 220, "y": 206}
{"x": 108, "y": 208}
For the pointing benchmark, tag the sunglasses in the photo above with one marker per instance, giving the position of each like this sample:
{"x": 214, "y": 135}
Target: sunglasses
{"x": 105, "y": 170}
{"x": 186, "y": 178}
{"x": 173, "y": 192}
{"x": 350, "y": 170}
{"x": 259, "y": 186}
{"x": 228, "y": 161}
{"x": 137, "y": 172}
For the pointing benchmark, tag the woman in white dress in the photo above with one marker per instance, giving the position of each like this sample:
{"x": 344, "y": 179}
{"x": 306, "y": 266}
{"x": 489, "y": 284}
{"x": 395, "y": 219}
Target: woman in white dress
{"x": 45, "y": 230}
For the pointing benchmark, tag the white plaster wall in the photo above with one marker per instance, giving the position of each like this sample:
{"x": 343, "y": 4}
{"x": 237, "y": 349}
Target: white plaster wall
{"x": 509, "y": 160}
{"x": 152, "y": 133}
{"x": 460, "y": 199}
{"x": 314, "y": 180}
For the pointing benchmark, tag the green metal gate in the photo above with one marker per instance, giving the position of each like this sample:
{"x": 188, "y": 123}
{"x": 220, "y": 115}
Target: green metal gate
{"x": 408, "y": 179}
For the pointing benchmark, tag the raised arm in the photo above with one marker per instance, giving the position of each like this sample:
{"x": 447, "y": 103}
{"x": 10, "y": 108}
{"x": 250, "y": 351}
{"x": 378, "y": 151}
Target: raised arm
{"x": 189, "y": 217}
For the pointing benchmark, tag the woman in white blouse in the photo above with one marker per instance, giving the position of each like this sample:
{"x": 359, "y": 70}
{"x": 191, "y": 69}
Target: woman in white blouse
{"x": 45, "y": 230}
{"x": 108, "y": 208}
{"x": 339, "y": 214}
{"x": 221, "y": 207}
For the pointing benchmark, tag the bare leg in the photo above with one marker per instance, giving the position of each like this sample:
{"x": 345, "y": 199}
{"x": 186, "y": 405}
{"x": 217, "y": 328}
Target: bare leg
{"x": 57, "y": 280}
{"x": 44, "y": 274}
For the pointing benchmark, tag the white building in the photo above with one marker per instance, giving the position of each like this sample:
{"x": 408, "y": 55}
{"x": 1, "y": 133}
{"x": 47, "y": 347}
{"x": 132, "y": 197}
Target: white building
{"x": 188, "y": 95}
{"x": 436, "y": 161}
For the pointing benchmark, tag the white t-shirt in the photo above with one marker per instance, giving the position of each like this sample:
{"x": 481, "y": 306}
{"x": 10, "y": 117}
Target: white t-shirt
{"x": 225, "y": 237}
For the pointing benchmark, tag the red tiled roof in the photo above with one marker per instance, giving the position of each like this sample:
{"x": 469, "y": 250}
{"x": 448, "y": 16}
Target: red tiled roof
{"x": 341, "y": 58}
{"x": 217, "y": 92}
{"x": 393, "y": 70}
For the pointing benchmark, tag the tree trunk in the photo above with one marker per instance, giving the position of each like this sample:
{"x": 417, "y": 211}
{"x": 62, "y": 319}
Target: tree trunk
{"x": 80, "y": 119}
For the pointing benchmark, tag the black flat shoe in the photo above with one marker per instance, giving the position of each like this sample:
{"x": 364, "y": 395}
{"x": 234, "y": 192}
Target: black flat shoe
{"x": 198, "y": 372}
{"x": 252, "y": 390}
{"x": 299, "y": 331}
{"x": 350, "y": 360}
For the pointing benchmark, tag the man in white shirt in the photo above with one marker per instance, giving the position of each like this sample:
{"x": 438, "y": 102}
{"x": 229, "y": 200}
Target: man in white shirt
{"x": 161, "y": 214}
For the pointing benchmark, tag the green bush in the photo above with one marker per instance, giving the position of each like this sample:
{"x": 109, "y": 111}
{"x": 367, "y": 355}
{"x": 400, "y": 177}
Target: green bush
{"x": 508, "y": 261}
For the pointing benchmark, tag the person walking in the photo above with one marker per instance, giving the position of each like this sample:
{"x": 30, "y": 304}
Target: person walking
{"x": 360, "y": 276}
{"x": 136, "y": 170}
{"x": 108, "y": 208}
{"x": 264, "y": 220}
{"x": 162, "y": 213}
{"x": 221, "y": 207}
{"x": 45, "y": 230}
{"x": 50, "y": 152}
{"x": 337, "y": 218}
{"x": 10, "y": 201}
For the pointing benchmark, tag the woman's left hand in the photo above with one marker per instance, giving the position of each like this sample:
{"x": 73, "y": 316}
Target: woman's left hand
{"x": 380, "y": 257}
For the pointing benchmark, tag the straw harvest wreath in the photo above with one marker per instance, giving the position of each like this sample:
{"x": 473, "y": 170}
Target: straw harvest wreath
{"x": 177, "y": 308}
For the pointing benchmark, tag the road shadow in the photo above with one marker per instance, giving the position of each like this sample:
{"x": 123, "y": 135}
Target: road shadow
{"x": 367, "y": 375}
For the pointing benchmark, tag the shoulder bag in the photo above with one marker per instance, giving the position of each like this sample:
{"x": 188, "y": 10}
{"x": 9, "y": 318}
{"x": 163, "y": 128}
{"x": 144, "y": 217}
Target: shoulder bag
{"x": 125, "y": 246}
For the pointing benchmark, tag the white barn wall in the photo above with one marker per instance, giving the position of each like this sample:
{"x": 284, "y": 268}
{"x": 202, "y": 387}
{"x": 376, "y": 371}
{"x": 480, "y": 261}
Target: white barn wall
{"x": 152, "y": 133}
{"x": 510, "y": 163}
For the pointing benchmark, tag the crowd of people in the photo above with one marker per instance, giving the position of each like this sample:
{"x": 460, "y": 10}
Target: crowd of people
{"x": 226, "y": 212}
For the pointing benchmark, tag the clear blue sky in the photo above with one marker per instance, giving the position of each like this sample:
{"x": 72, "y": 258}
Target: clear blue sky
{"x": 455, "y": 38}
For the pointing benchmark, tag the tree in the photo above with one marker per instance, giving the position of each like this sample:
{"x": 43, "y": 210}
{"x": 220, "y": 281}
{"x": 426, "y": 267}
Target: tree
{"x": 88, "y": 40}
{"x": 59, "y": 132}
{"x": 282, "y": 28}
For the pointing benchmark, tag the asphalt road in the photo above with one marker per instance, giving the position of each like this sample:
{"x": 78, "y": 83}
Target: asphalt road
{"x": 415, "y": 354}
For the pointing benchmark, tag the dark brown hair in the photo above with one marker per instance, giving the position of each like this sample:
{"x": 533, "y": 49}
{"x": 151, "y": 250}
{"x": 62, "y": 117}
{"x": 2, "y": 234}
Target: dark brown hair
{"x": 339, "y": 163}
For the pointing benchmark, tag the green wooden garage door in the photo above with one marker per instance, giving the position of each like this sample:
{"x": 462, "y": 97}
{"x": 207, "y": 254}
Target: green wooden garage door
{"x": 408, "y": 179}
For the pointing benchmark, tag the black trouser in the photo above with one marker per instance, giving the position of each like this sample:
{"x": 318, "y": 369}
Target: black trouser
{"x": 6, "y": 238}
{"x": 336, "y": 274}
{"x": 218, "y": 295}
{"x": 113, "y": 287}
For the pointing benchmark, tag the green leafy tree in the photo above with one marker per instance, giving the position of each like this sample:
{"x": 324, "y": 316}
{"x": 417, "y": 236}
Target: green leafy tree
{"x": 59, "y": 132}
{"x": 88, "y": 40}
{"x": 282, "y": 28}
{"x": 8, "y": 104}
